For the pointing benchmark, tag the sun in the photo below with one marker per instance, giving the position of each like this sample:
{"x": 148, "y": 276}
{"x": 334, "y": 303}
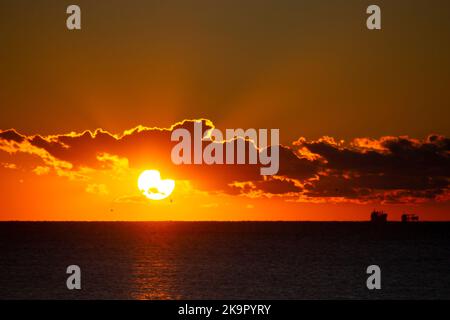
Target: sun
{"x": 153, "y": 187}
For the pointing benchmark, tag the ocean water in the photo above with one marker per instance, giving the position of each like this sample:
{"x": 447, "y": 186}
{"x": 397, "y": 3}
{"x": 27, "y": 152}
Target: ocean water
{"x": 224, "y": 260}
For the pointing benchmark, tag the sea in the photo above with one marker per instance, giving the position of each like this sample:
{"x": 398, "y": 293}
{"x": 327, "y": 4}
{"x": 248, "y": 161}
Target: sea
{"x": 224, "y": 260}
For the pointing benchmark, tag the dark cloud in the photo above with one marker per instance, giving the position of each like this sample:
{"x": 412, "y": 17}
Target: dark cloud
{"x": 416, "y": 168}
{"x": 11, "y": 135}
{"x": 391, "y": 169}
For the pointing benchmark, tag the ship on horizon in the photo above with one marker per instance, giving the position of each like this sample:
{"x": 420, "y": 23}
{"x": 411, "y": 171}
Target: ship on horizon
{"x": 406, "y": 217}
{"x": 378, "y": 217}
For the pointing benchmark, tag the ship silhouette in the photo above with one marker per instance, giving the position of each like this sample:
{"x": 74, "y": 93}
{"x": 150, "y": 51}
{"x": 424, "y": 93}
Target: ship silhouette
{"x": 378, "y": 217}
{"x": 406, "y": 217}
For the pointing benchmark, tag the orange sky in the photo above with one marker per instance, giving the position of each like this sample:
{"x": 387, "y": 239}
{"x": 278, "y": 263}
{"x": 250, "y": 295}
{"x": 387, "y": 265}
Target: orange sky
{"x": 363, "y": 115}
{"x": 93, "y": 176}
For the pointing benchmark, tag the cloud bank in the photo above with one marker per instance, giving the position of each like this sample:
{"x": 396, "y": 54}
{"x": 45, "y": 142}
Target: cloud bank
{"x": 364, "y": 170}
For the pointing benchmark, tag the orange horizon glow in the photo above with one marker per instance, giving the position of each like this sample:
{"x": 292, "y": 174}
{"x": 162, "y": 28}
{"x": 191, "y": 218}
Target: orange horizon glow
{"x": 93, "y": 175}
{"x": 363, "y": 114}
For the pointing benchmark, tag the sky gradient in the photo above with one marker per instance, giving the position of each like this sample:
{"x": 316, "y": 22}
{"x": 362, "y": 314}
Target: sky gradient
{"x": 363, "y": 115}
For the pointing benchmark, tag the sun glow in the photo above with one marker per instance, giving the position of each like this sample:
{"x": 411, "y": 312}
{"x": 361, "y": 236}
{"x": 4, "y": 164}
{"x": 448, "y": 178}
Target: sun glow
{"x": 153, "y": 187}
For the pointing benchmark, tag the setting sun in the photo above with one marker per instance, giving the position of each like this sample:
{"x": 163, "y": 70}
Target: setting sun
{"x": 153, "y": 187}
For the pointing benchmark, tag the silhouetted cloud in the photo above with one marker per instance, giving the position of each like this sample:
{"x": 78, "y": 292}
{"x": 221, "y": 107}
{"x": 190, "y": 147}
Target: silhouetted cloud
{"x": 389, "y": 169}
{"x": 373, "y": 169}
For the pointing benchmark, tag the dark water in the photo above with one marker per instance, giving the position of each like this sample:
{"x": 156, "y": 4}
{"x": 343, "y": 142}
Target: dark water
{"x": 207, "y": 260}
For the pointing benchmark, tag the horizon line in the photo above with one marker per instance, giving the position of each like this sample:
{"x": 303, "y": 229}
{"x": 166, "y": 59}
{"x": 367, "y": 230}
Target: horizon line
{"x": 224, "y": 221}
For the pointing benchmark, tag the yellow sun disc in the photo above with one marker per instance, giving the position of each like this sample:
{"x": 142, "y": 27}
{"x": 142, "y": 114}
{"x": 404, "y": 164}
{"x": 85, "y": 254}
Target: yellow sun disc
{"x": 153, "y": 187}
